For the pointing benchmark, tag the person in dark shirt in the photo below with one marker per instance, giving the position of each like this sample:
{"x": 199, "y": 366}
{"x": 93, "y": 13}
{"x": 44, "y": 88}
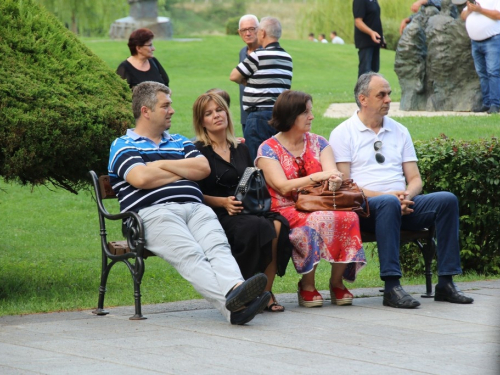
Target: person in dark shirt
{"x": 259, "y": 243}
{"x": 154, "y": 173}
{"x": 368, "y": 34}
{"x": 141, "y": 66}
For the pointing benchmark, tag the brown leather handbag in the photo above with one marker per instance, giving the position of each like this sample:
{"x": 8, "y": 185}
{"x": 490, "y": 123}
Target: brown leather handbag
{"x": 318, "y": 197}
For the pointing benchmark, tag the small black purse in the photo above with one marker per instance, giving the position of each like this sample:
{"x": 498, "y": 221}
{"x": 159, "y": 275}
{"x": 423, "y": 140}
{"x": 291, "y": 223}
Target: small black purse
{"x": 252, "y": 192}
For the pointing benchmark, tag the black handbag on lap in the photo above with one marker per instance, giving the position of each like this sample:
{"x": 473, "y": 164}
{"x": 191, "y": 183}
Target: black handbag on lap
{"x": 252, "y": 192}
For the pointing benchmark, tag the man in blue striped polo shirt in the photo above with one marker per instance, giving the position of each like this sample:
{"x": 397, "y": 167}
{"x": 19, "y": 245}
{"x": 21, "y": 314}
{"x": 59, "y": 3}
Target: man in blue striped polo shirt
{"x": 266, "y": 73}
{"x": 154, "y": 173}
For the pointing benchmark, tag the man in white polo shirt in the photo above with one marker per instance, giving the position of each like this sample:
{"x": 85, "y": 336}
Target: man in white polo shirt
{"x": 378, "y": 153}
{"x": 482, "y": 21}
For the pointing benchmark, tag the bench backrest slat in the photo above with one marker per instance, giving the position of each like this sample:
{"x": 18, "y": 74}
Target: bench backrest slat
{"x": 105, "y": 187}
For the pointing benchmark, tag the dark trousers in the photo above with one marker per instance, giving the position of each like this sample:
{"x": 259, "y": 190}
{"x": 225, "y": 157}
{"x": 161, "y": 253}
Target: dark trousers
{"x": 257, "y": 130}
{"x": 369, "y": 60}
{"x": 439, "y": 209}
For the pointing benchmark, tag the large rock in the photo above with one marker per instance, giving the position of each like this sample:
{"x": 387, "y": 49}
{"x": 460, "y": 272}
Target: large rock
{"x": 434, "y": 63}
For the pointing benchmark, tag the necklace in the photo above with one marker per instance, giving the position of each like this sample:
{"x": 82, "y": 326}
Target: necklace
{"x": 224, "y": 150}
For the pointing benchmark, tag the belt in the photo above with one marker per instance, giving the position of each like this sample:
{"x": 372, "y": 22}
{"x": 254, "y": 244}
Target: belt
{"x": 258, "y": 109}
{"x": 485, "y": 40}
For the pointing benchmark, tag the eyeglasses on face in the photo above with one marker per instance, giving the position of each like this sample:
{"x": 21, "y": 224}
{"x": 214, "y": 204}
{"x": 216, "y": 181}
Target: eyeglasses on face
{"x": 300, "y": 163}
{"x": 251, "y": 29}
{"x": 378, "y": 156}
{"x": 147, "y": 45}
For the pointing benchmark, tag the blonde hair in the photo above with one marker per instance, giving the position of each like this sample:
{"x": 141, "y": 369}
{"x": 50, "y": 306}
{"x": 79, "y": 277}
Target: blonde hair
{"x": 199, "y": 107}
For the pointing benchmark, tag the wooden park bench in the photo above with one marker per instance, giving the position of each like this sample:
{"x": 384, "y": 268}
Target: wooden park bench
{"x": 425, "y": 241}
{"x": 132, "y": 251}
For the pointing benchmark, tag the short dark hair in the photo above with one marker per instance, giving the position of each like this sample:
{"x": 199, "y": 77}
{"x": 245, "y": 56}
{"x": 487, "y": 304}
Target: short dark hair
{"x": 223, "y": 94}
{"x": 146, "y": 94}
{"x": 138, "y": 38}
{"x": 289, "y": 105}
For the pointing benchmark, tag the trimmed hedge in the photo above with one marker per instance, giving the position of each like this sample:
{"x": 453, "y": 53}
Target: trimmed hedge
{"x": 232, "y": 26}
{"x": 470, "y": 170}
{"x": 61, "y": 106}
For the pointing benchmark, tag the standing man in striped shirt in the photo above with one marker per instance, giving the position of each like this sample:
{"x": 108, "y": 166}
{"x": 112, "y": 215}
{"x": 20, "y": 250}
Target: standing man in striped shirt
{"x": 248, "y": 27}
{"x": 266, "y": 73}
{"x": 153, "y": 173}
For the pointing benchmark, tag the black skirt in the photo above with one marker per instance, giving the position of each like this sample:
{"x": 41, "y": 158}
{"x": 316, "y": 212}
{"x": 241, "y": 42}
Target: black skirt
{"x": 251, "y": 236}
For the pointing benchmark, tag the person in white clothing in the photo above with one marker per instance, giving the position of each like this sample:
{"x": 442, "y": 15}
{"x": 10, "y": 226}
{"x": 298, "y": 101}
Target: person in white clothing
{"x": 335, "y": 38}
{"x": 482, "y": 21}
{"x": 378, "y": 154}
{"x": 322, "y": 38}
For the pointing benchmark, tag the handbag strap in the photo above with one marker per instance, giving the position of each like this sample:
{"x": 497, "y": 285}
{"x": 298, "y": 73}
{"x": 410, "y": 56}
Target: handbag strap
{"x": 242, "y": 184}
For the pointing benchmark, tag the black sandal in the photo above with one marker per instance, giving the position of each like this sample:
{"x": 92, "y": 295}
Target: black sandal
{"x": 280, "y": 308}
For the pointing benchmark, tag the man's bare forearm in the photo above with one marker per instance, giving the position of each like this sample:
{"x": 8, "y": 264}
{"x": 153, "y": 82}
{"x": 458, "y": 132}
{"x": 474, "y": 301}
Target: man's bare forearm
{"x": 192, "y": 168}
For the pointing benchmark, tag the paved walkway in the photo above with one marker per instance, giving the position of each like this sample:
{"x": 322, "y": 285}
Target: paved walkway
{"x": 191, "y": 338}
{"x": 341, "y": 110}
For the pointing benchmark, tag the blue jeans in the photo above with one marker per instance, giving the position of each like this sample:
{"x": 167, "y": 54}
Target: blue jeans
{"x": 386, "y": 221}
{"x": 369, "y": 60}
{"x": 486, "y": 56}
{"x": 257, "y": 130}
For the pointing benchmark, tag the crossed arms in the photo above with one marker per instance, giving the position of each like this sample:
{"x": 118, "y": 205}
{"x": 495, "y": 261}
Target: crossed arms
{"x": 163, "y": 172}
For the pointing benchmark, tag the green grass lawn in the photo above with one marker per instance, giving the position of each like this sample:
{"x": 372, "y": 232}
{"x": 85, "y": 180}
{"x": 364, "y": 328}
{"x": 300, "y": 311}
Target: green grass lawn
{"x": 50, "y": 251}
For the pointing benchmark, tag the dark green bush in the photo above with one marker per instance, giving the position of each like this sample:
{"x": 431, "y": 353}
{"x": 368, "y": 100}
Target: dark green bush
{"x": 60, "y": 105}
{"x": 232, "y": 26}
{"x": 470, "y": 170}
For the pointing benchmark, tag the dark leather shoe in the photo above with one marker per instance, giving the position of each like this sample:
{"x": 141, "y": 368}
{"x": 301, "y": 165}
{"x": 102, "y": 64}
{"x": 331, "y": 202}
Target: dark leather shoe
{"x": 397, "y": 297}
{"x": 493, "y": 109}
{"x": 450, "y": 293}
{"x": 246, "y": 292}
{"x": 255, "y": 307}
{"x": 483, "y": 108}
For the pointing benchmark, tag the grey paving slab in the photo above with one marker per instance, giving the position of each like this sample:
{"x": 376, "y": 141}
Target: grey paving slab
{"x": 192, "y": 338}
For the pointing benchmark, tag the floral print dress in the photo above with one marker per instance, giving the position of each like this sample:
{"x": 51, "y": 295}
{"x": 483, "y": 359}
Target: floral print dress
{"x": 330, "y": 235}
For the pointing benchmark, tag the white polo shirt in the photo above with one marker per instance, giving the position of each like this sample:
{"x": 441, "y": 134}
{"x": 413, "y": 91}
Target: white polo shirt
{"x": 480, "y": 27}
{"x": 353, "y": 142}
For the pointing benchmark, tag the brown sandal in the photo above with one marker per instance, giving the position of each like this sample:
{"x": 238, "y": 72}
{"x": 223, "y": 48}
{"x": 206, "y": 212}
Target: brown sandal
{"x": 275, "y": 306}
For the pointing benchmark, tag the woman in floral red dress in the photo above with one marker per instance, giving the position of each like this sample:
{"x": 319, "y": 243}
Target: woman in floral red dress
{"x": 294, "y": 158}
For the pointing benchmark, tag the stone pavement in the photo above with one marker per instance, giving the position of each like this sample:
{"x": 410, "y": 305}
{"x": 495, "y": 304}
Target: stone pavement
{"x": 342, "y": 110}
{"x": 191, "y": 338}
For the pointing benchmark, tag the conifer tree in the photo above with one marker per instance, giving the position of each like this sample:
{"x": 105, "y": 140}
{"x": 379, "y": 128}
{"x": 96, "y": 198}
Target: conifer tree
{"x": 60, "y": 105}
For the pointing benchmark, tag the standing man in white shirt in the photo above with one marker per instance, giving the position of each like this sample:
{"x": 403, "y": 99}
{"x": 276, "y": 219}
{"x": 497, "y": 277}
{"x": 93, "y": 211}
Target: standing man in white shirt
{"x": 482, "y": 21}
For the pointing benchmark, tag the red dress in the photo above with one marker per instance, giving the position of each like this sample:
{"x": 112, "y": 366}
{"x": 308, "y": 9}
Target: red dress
{"x": 331, "y": 235}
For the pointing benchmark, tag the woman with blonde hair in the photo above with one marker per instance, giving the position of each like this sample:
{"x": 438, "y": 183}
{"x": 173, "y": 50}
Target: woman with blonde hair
{"x": 259, "y": 243}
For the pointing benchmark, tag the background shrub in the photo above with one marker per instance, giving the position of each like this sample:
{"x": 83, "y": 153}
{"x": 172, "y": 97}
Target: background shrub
{"x": 470, "y": 170}
{"x": 61, "y": 106}
{"x": 232, "y": 26}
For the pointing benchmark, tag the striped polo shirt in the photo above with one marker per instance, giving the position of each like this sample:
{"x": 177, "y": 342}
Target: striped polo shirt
{"x": 268, "y": 72}
{"x": 132, "y": 150}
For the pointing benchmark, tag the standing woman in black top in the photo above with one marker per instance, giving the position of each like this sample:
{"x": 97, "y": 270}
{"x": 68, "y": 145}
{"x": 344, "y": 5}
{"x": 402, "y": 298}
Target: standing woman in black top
{"x": 142, "y": 66}
{"x": 259, "y": 243}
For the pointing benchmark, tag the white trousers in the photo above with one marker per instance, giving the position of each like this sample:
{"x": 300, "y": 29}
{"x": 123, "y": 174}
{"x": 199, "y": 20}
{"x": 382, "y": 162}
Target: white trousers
{"x": 190, "y": 238}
